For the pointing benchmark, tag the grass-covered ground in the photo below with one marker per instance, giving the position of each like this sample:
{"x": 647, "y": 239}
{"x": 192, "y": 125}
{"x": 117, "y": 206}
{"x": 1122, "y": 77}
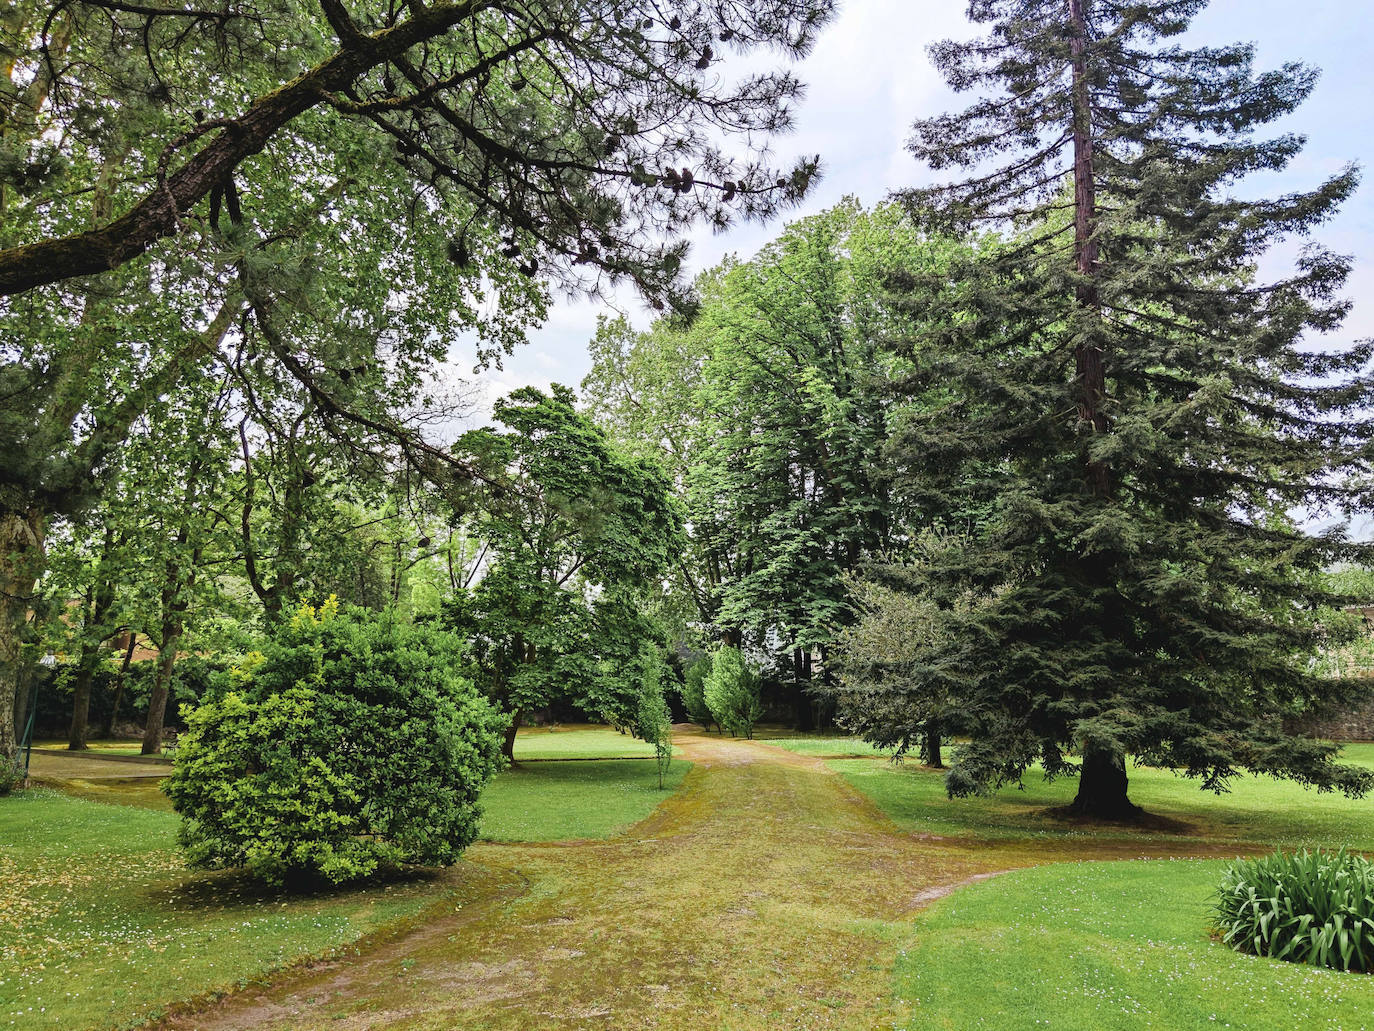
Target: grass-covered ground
{"x": 1119, "y": 945}
{"x": 821, "y": 746}
{"x": 1123, "y": 946}
{"x": 763, "y": 895}
{"x": 100, "y": 925}
{"x": 560, "y": 801}
{"x": 578, "y": 741}
{"x": 120, "y": 747}
{"x": 1257, "y": 810}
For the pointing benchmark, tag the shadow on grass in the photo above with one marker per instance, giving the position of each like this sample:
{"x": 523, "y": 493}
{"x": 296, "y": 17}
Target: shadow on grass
{"x": 225, "y": 890}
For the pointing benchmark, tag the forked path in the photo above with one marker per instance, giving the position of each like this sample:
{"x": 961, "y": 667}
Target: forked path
{"x": 766, "y": 893}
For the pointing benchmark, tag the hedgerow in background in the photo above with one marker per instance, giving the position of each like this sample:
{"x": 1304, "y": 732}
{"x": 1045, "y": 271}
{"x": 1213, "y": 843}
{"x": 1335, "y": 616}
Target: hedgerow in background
{"x": 732, "y": 692}
{"x": 1307, "y": 907}
{"x": 348, "y": 744}
{"x": 655, "y": 722}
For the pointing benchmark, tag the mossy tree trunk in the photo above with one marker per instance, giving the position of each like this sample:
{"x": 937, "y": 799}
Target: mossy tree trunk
{"x": 21, "y": 560}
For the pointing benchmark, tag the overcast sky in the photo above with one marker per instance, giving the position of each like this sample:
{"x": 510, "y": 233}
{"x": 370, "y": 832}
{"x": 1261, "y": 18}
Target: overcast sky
{"x": 869, "y": 77}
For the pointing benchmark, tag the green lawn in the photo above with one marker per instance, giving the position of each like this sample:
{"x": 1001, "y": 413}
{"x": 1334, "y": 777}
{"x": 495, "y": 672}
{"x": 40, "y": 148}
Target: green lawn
{"x": 580, "y": 741}
{"x": 824, "y": 747}
{"x": 99, "y": 922}
{"x": 1258, "y": 809}
{"x": 558, "y": 801}
{"x": 1119, "y": 946}
{"x": 106, "y": 747}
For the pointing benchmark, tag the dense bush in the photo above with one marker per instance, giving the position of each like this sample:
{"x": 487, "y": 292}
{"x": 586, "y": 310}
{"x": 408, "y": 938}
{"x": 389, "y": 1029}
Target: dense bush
{"x": 731, "y": 690}
{"x": 693, "y": 692}
{"x": 11, "y": 776}
{"x": 348, "y": 743}
{"x": 1309, "y": 907}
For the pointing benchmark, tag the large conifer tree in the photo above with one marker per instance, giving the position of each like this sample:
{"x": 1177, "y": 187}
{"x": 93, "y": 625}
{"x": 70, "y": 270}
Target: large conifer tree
{"x": 1142, "y": 417}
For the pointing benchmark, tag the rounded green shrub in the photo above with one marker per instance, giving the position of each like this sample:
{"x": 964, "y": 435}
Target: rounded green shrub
{"x": 349, "y": 743}
{"x": 1307, "y": 907}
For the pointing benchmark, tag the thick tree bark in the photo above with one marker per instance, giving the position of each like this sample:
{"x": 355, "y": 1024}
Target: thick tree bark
{"x": 119, "y": 685}
{"x": 23, "y": 695}
{"x": 933, "y": 745}
{"x": 1102, "y": 787}
{"x": 157, "y": 701}
{"x": 21, "y": 561}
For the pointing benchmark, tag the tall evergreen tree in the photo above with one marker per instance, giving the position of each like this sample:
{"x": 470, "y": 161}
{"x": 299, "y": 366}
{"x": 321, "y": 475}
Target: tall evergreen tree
{"x": 1138, "y": 412}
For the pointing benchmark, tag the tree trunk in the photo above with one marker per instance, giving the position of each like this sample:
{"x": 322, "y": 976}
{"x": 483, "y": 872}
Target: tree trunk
{"x": 933, "y": 745}
{"x": 508, "y": 742}
{"x": 1102, "y": 787}
{"x": 21, "y": 563}
{"x": 119, "y": 685}
{"x": 81, "y": 697}
{"x": 157, "y": 702}
{"x": 801, "y": 666}
{"x": 23, "y": 698}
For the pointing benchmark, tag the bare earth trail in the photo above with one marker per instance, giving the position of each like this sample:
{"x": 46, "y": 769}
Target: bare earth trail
{"x": 767, "y": 893}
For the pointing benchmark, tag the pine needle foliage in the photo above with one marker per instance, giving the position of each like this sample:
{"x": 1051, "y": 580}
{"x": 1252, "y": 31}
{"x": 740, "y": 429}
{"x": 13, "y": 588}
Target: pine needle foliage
{"x": 1129, "y": 412}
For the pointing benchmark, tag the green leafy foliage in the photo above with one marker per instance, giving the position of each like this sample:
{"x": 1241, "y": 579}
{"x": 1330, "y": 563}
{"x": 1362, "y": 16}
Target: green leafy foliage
{"x": 731, "y": 691}
{"x": 693, "y": 691}
{"x": 1312, "y": 907}
{"x": 578, "y": 536}
{"x": 654, "y": 723}
{"x": 11, "y": 775}
{"x": 348, "y": 744}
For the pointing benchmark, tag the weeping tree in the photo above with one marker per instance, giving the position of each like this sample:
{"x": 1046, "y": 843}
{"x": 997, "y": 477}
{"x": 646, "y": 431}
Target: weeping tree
{"x": 577, "y": 538}
{"x": 173, "y": 181}
{"x": 1129, "y": 407}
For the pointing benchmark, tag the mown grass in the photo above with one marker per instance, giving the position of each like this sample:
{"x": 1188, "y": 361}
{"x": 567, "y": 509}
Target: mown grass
{"x": 578, "y": 741}
{"x": 1121, "y": 945}
{"x": 559, "y": 801}
{"x": 824, "y": 747}
{"x": 106, "y": 747}
{"x": 1257, "y": 809}
{"x": 99, "y": 923}
{"x": 1118, "y": 945}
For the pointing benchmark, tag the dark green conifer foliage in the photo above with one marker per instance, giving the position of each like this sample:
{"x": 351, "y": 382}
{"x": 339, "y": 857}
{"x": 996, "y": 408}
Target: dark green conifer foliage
{"x": 1138, "y": 412}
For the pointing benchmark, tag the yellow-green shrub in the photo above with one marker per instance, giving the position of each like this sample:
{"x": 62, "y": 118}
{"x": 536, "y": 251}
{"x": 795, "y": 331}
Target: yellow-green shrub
{"x": 351, "y": 744}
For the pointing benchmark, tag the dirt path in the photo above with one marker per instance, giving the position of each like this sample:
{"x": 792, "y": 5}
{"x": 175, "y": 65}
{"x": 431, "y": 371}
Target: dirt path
{"x": 767, "y": 893}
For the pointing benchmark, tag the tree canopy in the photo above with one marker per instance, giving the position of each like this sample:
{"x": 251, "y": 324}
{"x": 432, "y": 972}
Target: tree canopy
{"x": 1137, "y": 413}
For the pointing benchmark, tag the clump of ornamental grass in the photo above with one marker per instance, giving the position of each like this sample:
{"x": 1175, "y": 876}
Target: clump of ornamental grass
{"x": 1303, "y": 907}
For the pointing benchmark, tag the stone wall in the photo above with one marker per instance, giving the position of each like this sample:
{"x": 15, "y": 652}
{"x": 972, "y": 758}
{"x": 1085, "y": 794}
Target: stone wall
{"x": 1353, "y": 723}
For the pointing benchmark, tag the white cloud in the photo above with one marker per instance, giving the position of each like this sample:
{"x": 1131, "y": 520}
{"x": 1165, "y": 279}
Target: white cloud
{"x": 869, "y": 78}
